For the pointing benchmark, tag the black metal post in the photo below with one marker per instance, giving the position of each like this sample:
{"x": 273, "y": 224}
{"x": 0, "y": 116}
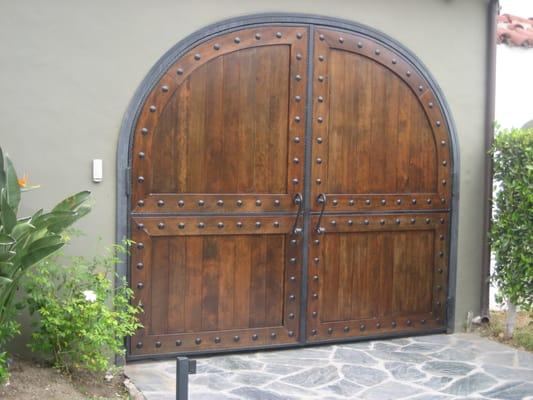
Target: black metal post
{"x": 184, "y": 367}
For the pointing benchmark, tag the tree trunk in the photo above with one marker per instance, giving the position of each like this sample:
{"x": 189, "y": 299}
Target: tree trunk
{"x": 510, "y": 320}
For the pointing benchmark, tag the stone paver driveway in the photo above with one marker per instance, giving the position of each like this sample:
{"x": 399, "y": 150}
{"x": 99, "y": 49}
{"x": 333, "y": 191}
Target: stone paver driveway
{"x": 459, "y": 366}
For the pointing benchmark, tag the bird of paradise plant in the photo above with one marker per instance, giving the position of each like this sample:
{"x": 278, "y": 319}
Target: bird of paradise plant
{"x": 24, "y": 241}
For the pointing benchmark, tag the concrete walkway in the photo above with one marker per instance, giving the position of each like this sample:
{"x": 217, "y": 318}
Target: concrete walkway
{"x": 459, "y": 366}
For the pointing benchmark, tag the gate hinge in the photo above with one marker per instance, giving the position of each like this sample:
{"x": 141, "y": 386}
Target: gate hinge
{"x": 128, "y": 181}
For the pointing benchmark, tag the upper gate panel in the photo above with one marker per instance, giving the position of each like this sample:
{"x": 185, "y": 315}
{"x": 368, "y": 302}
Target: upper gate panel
{"x": 224, "y": 128}
{"x": 379, "y": 136}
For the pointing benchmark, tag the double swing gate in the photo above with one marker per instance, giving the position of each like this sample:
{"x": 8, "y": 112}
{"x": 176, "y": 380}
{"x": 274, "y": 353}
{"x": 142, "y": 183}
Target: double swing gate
{"x": 290, "y": 184}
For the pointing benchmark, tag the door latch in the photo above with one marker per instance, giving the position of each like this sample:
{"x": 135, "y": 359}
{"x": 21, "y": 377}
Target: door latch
{"x": 321, "y": 199}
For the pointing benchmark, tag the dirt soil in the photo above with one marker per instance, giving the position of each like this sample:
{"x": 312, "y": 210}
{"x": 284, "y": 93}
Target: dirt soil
{"x": 523, "y": 334}
{"x": 31, "y": 381}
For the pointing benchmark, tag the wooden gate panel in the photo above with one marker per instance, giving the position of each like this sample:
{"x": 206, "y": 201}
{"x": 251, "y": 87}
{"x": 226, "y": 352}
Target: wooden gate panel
{"x": 375, "y": 274}
{"x": 202, "y": 290}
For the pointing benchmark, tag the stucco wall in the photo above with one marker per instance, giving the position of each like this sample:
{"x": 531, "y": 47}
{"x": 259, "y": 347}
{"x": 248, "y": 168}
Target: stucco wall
{"x": 69, "y": 69}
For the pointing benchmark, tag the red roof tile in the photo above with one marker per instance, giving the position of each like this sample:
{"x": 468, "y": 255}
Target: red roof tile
{"x": 515, "y": 31}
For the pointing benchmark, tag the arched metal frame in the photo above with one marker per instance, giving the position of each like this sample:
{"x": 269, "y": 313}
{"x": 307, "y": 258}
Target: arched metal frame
{"x": 171, "y": 56}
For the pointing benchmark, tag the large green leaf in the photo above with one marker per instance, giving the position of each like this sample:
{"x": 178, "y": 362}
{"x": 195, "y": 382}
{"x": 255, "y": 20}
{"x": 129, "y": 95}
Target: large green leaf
{"x": 12, "y": 186}
{"x": 21, "y": 229}
{"x": 72, "y": 202}
{"x": 62, "y": 223}
{"x": 34, "y": 256}
{"x": 47, "y": 241}
{"x": 8, "y": 215}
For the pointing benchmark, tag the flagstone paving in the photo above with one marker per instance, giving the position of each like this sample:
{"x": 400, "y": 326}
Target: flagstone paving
{"x": 459, "y": 366}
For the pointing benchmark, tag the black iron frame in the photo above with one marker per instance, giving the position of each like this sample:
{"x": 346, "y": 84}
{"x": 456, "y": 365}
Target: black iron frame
{"x": 309, "y": 21}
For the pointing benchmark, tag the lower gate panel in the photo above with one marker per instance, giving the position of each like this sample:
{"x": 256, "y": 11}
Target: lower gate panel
{"x": 205, "y": 289}
{"x": 372, "y": 275}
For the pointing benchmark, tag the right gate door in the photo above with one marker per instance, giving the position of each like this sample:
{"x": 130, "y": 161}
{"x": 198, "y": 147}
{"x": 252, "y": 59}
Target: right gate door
{"x": 380, "y": 194}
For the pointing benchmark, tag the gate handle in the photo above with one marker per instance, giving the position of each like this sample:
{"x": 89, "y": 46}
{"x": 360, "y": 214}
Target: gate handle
{"x": 298, "y": 200}
{"x": 321, "y": 199}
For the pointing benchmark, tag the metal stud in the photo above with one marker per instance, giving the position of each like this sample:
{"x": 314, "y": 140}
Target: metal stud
{"x": 277, "y": 203}
{"x": 273, "y": 335}
{"x": 393, "y": 324}
{"x": 291, "y": 315}
{"x": 321, "y": 58}
{"x": 439, "y": 287}
{"x": 139, "y": 345}
{"x": 140, "y": 265}
{"x": 216, "y": 46}
{"x": 366, "y": 222}
{"x": 413, "y": 220}
{"x": 444, "y": 182}
{"x": 217, "y": 339}
{"x": 297, "y": 98}
{"x": 441, "y": 220}
{"x": 316, "y": 260}
{"x": 239, "y": 224}
{"x": 441, "y": 237}
{"x": 319, "y": 160}
{"x": 298, "y": 56}
{"x": 423, "y": 321}
{"x": 236, "y": 338}
{"x": 290, "y": 333}
{"x": 320, "y": 78}
{"x": 315, "y": 278}
{"x": 293, "y": 241}
{"x": 239, "y": 203}
{"x": 140, "y": 179}
{"x": 255, "y": 337}
{"x": 198, "y": 340}
{"x": 295, "y": 181}
{"x": 297, "y": 118}
{"x": 319, "y": 140}
{"x": 313, "y": 332}
{"x": 160, "y": 203}
{"x": 258, "y": 224}
{"x": 438, "y": 123}
{"x": 292, "y": 260}
{"x": 276, "y": 224}
{"x": 383, "y": 201}
{"x": 394, "y": 61}
{"x": 360, "y": 45}
{"x": 444, "y": 162}
{"x": 316, "y": 242}
{"x": 367, "y": 202}
{"x": 178, "y": 342}
{"x": 408, "y": 73}
{"x": 377, "y": 52}
{"x": 362, "y": 327}
{"x": 443, "y": 143}
{"x": 440, "y": 270}
{"x": 420, "y": 88}
{"x": 320, "y": 120}
{"x": 258, "y": 36}
{"x": 201, "y": 203}
{"x": 140, "y": 285}
{"x": 144, "y": 131}
{"x": 341, "y": 40}
{"x": 397, "y": 221}
{"x": 181, "y": 225}
{"x": 296, "y": 139}
{"x": 153, "y": 108}
{"x": 258, "y": 202}
{"x": 430, "y": 104}
{"x": 161, "y": 225}
{"x": 413, "y": 201}
{"x": 140, "y": 245}
{"x": 398, "y": 201}
{"x": 181, "y": 203}
{"x": 428, "y": 201}
{"x": 278, "y": 35}
{"x": 330, "y": 331}
{"x": 237, "y": 40}
{"x": 438, "y": 303}
{"x": 350, "y": 222}
{"x": 335, "y": 202}
{"x": 197, "y": 56}
{"x": 378, "y": 325}
{"x": 140, "y": 226}
{"x": 351, "y": 202}
{"x": 298, "y": 77}
{"x": 220, "y": 225}
{"x": 220, "y": 203}
{"x": 428, "y": 220}
{"x": 201, "y": 225}
{"x": 320, "y": 99}
{"x": 409, "y": 322}
{"x": 164, "y": 88}
{"x": 158, "y": 344}
{"x": 318, "y": 181}
{"x": 299, "y": 35}
{"x": 441, "y": 254}
{"x": 321, "y": 37}
{"x": 141, "y": 154}
{"x": 179, "y": 71}
{"x": 346, "y": 328}
{"x": 382, "y": 222}
{"x": 292, "y": 297}
{"x": 333, "y": 222}
{"x": 315, "y": 296}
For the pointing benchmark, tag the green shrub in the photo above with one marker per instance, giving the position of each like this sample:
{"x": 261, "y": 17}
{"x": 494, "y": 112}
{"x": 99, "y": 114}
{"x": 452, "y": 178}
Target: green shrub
{"x": 512, "y": 228}
{"x": 25, "y": 241}
{"x": 83, "y": 317}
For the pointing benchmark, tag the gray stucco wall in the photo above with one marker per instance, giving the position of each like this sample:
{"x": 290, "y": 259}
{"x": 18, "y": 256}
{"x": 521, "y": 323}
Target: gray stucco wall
{"x": 69, "y": 68}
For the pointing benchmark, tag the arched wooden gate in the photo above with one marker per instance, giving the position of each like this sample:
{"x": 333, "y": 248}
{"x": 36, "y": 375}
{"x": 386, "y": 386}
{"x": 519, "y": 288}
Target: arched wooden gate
{"x": 290, "y": 183}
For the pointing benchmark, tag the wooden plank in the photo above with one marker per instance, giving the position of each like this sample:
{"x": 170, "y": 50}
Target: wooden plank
{"x": 177, "y": 273}
{"x": 159, "y": 285}
{"x": 227, "y": 291}
{"x": 211, "y": 275}
{"x": 193, "y": 297}
{"x": 243, "y": 265}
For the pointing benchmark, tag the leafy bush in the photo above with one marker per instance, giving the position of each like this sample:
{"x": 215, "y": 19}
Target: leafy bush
{"x": 26, "y": 241}
{"x": 512, "y": 228}
{"x": 83, "y": 317}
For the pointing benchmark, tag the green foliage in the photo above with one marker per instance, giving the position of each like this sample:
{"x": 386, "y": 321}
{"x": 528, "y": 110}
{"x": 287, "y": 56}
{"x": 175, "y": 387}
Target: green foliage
{"x": 26, "y": 241}
{"x": 83, "y": 317}
{"x": 512, "y": 228}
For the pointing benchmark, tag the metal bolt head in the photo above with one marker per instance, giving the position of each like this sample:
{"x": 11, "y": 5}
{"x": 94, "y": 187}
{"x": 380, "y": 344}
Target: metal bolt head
{"x": 201, "y": 203}
{"x": 239, "y": 203}
{"x": 393, "y": 324}
{"x": 278, "y": 35}
{"x": 413, "y": 220}
{"x": 140, "y": 285}
{"x": 367, "y": 202}
{"x": 178, "y": 342}
{"x": 413, "y": 201}
{"x": 158, "y": 344}
{"x": 366, "y": 222}
{"x": 139, "y": 345}
{"x": 236, "y": 338}
{"x": 397, "y": 221}
{"x": 346, "y": 328}
{"x": 277, "y": 203}
{"x": 292, "y": 260}
{"x": 398, "y": 201}
{"x": 290, "y": 333}
{"x": 335, "y": 202}
{"x": 258, "y": 203}
{"x": 298, "y": 77}
{"x": 161, "y": 225}
{"x": 382, "y": 222}
{"x": 217, "y": 339}
{"x": 273, "y": 335}
{"x": 299, "y": 35}
{"x": 360, "y": 45}
{"x": 181, "y": 225}
{"x": 216, "y": 46}
{"x": 239, "y": 224}
{"x": 181, "y": 203}
{"x": 428, "y": 201}
{"x": 140, "y": 226}
{"x": 292, "y": 297}
{"x": 315, "y": 278}
{"x": 383, "y": 201}
{"x": 153, "y": 108}
{"x": 321, "y": 37}
{"x": 319, "y": 140}
{"x": 140, "y": 245}
{"x": 140, "y": 179}
{"x": 220, "y": 225}
{"x": 254, "y": 336}
{"x": 351, "y": 202}
{"x": 201, "y": 225}
{"x": 144, "y": 131}
{"x": 330, "y": 331}
{"x": 197, "y": 56}
{"x": 296, "y": 139}
{"x": 313, "y": 332}
{"x": 314, "y": 313}
{"x": 291, "y": 316}
{"x": 258, "y": 36}
{"x": 297, "y": 98}
{"x": 141, "y": 154}
{"x": 362, "y": 327}
{"x": 377, "y": 52}
{"x": 275, "y": 224}
{"x": 160, "y": 203}
{"x": 409, "y": 322}
{"x": 140, "y": 265}
{"x": 378, "y": 325}
{"x": 350, "y": 222}
{"x": 428, "y": 220}
{"x": 198, "y": 340}
{"x": 179, "y": 71}
{"x": 220, "y": 203}
{"x": 237, "y": 40}
{"x": 258, "y": 224}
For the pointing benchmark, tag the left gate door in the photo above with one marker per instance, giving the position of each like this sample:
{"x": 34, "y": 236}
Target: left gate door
{"x": 217, "y": 168}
